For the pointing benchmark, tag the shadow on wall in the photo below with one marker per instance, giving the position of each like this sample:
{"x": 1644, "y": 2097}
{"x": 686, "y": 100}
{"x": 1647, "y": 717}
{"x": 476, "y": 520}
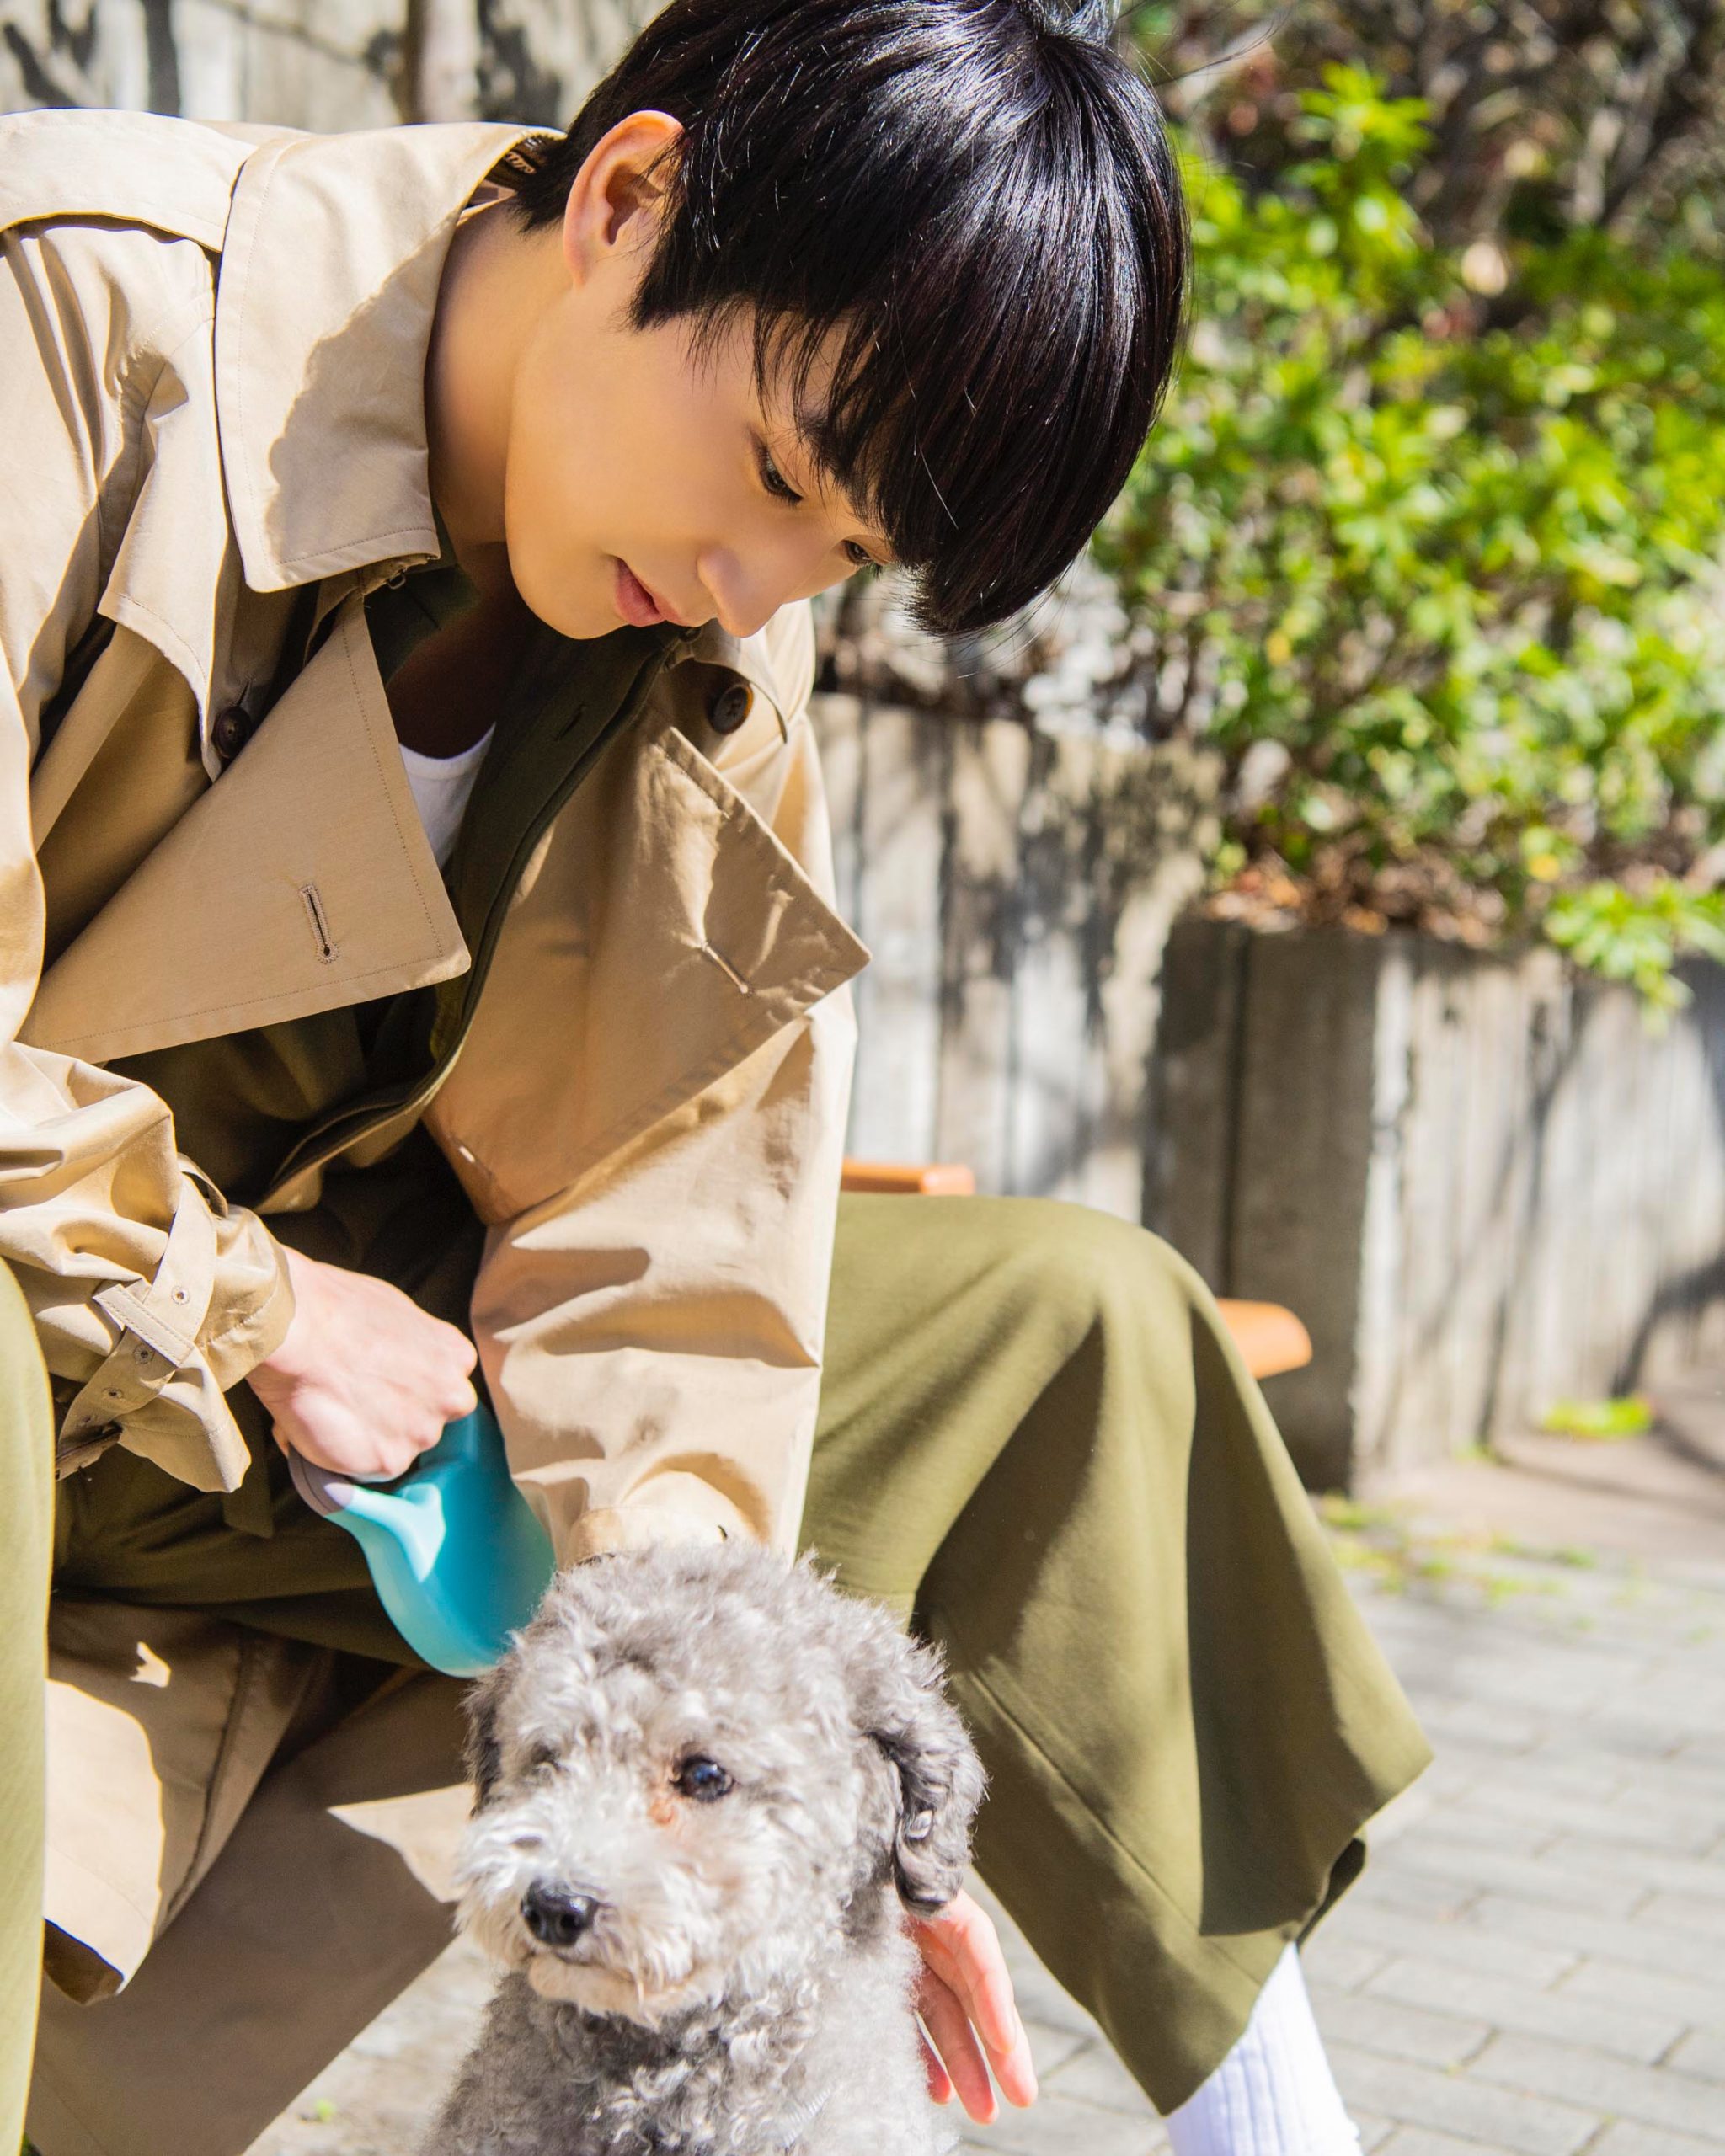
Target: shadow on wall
{"x": 1016, "y": 888}
{"x": 1687, "y": 1302}
{"x": 1479, "y": 1179}
{"x": 318, "y": 64}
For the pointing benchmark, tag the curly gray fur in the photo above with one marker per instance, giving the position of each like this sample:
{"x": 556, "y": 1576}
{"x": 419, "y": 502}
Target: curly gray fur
{"x": 726, "y": 1782}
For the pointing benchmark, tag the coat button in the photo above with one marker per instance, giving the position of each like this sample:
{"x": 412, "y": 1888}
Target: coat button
{"x": 229, "y": 731}
{"x": 729, "y": 707}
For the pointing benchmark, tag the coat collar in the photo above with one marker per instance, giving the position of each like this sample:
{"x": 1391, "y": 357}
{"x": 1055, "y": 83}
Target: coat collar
{"x": 333, "y": 252}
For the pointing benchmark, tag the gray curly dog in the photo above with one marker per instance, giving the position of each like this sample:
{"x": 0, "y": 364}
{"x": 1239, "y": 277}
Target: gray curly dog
{"x": 709, "y": 1788}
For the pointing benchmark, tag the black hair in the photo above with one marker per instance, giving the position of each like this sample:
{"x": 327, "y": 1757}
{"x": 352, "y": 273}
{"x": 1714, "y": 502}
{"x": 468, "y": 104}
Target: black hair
{"x": 973, "y": 203}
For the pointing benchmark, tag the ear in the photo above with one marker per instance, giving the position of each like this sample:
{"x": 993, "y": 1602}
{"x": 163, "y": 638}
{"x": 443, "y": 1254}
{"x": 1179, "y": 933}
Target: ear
{"x": 620, "y": 182}
{"x": 939, "y": 1778}
{"x": 483, "y": 1752}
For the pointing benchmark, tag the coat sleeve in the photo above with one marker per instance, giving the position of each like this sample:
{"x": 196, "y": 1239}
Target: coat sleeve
{"x": 662, "y": 1385}
{"x": 651, "y": 1332}
{"x": 150, "y": 1295}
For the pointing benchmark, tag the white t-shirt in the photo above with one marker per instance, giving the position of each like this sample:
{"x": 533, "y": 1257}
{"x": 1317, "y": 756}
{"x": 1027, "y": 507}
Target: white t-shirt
{"x": 440, "y": 787}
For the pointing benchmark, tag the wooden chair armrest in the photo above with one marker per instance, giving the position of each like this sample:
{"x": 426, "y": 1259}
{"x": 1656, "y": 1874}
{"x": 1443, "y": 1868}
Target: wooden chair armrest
{"x": 889, "y": 1179}
{"x": 1270, "y": 1339}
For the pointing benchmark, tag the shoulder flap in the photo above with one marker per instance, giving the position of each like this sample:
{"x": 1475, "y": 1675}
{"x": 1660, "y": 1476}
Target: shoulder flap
{"x": 135, "y": 168}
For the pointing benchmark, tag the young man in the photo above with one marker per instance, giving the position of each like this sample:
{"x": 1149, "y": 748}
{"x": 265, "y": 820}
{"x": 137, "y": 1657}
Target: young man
{"x": 417, "y": 936}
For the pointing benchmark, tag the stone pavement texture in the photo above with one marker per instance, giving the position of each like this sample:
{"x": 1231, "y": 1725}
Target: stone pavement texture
{"x": 1534, "y": 1963}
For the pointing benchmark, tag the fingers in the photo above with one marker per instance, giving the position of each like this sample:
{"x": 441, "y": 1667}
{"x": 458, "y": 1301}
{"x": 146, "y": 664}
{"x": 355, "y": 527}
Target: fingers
{"x": 449, "y": 1372}
{"x": 940, "y": 2083}
{"x": 460, "y": 1400}
{"x": 950, "y": 2033}
{"x": 1015, "y": 2070}
{"x": 373, "y": 1430}
{"x": 972, "y": 1961}
{"x": 365, "y": 1380}
{"x": 429, "y": 1372}
{"x": 961, "y": 1947}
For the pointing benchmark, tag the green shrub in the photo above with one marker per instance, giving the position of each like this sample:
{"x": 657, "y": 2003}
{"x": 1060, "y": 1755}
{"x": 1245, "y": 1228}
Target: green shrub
{"x": 1429, "y": 543}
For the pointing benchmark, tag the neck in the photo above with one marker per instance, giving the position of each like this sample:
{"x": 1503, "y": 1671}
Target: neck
{"x": 493, "y": 287}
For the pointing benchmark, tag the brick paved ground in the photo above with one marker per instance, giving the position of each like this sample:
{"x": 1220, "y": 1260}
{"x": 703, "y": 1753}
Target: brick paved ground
{"x": 1535, "y": 1962}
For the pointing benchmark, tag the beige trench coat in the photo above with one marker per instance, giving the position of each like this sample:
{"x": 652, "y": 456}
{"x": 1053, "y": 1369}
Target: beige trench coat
{"x": 211, "y": 351}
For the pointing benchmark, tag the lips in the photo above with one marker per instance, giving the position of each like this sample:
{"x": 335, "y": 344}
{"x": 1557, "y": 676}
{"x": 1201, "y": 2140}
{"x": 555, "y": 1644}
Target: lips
{"x": 634, "y": 601}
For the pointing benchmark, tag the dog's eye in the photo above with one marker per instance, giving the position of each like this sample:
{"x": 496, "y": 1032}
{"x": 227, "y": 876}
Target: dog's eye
{"x": 540, "y": 1757}
{"x": 704, "y": 1780}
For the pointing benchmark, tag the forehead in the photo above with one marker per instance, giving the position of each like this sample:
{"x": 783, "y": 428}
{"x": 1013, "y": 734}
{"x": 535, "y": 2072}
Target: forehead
{"x": 758, "y": 1719}
{"x": 728, "y": 1654}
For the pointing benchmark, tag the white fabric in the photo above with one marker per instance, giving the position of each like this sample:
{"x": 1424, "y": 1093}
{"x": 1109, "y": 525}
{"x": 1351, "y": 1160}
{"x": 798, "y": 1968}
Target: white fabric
{"x": 1274, "y": 2095}
{"x": 441, "y": 786}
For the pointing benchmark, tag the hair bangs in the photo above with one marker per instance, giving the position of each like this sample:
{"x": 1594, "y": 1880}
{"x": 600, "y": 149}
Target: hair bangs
{"x": 958, "y": 229}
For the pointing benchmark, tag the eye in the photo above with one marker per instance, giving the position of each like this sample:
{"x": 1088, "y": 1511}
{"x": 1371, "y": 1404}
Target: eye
{"x": 774, "y": 480}
{"x": 542, "y": 1758}
{"x": 703, "y": 1780}
{"x": 858, "y": 556}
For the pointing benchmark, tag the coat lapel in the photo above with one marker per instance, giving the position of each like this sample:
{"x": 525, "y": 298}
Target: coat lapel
{"x": 568, "y": 702}
{"x": 301, "y": 881}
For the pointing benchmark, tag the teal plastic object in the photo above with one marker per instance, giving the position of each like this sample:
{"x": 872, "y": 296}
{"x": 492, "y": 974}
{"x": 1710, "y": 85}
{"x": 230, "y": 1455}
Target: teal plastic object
{"x": 457, "y": 1557}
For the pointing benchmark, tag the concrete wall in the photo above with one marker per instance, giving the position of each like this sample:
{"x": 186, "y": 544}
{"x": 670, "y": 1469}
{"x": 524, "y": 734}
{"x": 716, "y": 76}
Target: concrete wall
{"x": 1483, "y": 1183}
{"x": 1016, "y": 888}
{"x": 321, "y": 64}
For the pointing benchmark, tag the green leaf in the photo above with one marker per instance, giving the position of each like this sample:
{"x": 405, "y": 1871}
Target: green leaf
{"x": 1472, "y": 581}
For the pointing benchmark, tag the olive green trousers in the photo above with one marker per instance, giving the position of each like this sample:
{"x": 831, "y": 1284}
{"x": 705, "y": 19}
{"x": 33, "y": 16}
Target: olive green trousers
{"x": 1038, "y": 1443}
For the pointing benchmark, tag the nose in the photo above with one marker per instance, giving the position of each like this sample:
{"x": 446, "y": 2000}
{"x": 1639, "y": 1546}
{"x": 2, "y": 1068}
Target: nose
{"x": 556, "y": 1916}
{"x": 746, "y": 590}
{"x": 741, "y": 608}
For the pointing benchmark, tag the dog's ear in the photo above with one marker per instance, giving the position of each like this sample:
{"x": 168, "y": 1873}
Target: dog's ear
{"x": 939, "y": 1779}
{"x": 483, "y": 1752}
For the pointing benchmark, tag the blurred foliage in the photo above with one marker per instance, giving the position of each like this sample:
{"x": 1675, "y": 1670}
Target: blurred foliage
{"x": 1600, "y": 1422}
{"x": 1545, "y": 115}
{"x": 1442, "y": 577}
{"x": 1401, "y": 1551}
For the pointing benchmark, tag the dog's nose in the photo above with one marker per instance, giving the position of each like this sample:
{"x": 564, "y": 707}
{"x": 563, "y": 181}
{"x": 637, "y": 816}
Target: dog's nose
{"x": 555, "y": 1916}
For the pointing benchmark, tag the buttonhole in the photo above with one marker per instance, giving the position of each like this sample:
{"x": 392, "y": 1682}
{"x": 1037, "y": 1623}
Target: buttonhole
{"x": 725, "y": 966}
{"x": 320, "y": 925}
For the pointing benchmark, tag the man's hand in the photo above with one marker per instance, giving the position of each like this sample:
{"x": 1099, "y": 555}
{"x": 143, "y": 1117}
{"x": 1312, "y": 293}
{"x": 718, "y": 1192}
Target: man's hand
{"x": 365, "y": 1380}
{"x": 966, "y": 1995}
